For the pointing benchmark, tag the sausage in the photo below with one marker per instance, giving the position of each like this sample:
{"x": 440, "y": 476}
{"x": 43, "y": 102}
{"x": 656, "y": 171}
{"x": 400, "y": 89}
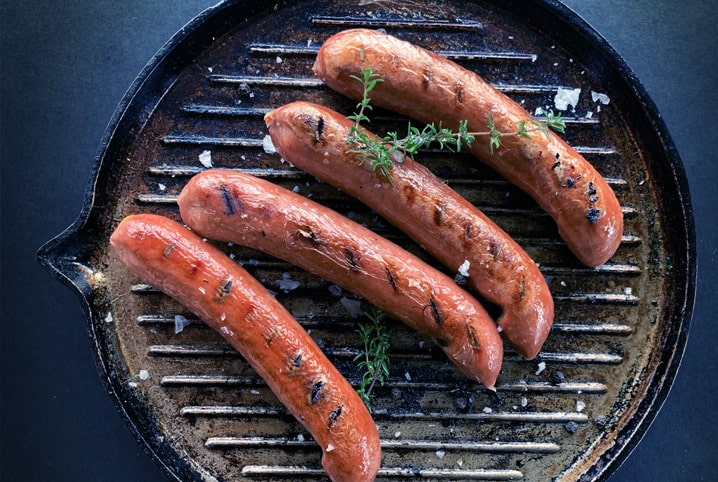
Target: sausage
{"x": 453, "y": 230}
{"x": 430, "y": 88}
{"x": 170, "y": 257}
{"x": 240, "y": 208}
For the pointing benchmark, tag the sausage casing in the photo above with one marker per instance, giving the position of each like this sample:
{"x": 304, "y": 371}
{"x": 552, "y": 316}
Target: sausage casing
{"x": 239, "y": 208}
{"x": 178, "y": 262}
{"x": 430, "y": 88}
{"x": 453, "y": 230}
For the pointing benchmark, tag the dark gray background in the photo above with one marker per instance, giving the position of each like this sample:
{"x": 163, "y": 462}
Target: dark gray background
{"x": 66, "y": 65}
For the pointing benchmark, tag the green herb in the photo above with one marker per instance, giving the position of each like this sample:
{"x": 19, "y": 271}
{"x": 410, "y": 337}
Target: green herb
{"x": 382, "y": 152}
{"x": 376, "y": 338}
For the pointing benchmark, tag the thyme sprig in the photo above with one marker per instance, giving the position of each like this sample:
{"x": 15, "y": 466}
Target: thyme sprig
{"x": 376, "y": 337}
{"x": 382, "y": 152}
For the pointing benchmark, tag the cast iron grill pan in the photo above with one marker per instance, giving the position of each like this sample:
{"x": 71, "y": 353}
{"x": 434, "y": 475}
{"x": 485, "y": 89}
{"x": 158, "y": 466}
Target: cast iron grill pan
{"x": 572, "y": 414}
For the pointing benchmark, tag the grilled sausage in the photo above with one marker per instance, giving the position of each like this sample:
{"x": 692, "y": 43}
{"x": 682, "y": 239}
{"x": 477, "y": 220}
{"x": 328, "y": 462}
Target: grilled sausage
{"x": 431, "y": 88}
{"x": 453, "y": 230}
{"x": 245, "y": 210}
{"x": 170, "y": 257}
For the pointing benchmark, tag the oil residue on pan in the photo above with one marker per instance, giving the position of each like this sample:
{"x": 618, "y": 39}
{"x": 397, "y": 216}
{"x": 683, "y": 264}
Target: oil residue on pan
{"x": 571, "y": 414}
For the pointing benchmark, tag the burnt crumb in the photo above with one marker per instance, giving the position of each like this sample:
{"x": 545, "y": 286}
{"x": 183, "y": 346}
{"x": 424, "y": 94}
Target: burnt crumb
{"x": 297, "y": 362}
{"x": 336, "y": 413}
{"x": 436, "y": 312}
{"x": 571, "y": 427}
{"x": 231, "y": 204}
{"x": 461, "y": 280}
{"x": 316, "y": 391}
{"x": 320, "y": 129}
{"x": 593, "y": 214}
{"x": 392, "y": 280}
{"x": 558, "y": 377}
{"x": 168, "y": 250}
{"x": 465, "y": 403}
{"x": 351, "y": 259}
{"x": 558, "y": 156}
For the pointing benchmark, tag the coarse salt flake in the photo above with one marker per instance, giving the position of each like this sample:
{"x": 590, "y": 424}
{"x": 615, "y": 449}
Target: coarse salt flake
{"x": 352, "y": 306}
{"x": 180, "y": 323}
{"x": 524, "y": 401}
{"x": 279, "y": 59}
{"x": 464, "y": 268}
{"x": 488, "y": 410}
{"x": 566, "y": 97}
{"x": 161, "y": 186}
{"x": 541, "y": 367}
{"x": 330, "y": 447}
{"x": 580, "y": 405}
{"x": 440, "y": 454}
{"x": 300, "y": 437}
{"x": 407, "y": 375}
{"x": 205, "y": 158}
{"x": 108, "y": 318}
{"x": 144, "y": 374}
{"x": 268, "y": 145}
{"x": 287, "y": 284}
{"x": 599, "y": 97}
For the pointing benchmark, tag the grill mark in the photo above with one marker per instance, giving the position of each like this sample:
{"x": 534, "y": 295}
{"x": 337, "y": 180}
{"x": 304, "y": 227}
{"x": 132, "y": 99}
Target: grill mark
{"x": 168, "y": 250}
{"x": 467, "y": 233}
{"x": 522, "y": 289}
{"x": 316, "y": 391}
{"x": 223, "y": 290}
{"x": 320, "y": 129}
{"x": 307, "y": 233}
{"x": 426, "y": 79}
{"x": 232, "y": 204}
{"x": 438, "y": 211}
{"x": 593, "y": 214}
{"x": 351, "y": 259}
{"x": 392, "y": 280}
{"x": 459, "y": 92}
{"x": 436, "y": 312}
{"x": 473, "y": 337}
{"x": 336, "y": 413}
{"x": 409, "y": 193}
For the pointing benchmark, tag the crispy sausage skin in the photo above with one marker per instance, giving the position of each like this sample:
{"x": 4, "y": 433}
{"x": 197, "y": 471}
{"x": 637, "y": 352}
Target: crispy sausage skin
{"x": 243, "y": 209}
{"x": 170, "y": 257}
{"x": 430, "y": 88}
{"x": 314, "y": 138}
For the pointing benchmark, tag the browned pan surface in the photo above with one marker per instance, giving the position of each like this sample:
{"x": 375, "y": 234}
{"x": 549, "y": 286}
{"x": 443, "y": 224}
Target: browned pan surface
{"x": 620, "y": 329}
